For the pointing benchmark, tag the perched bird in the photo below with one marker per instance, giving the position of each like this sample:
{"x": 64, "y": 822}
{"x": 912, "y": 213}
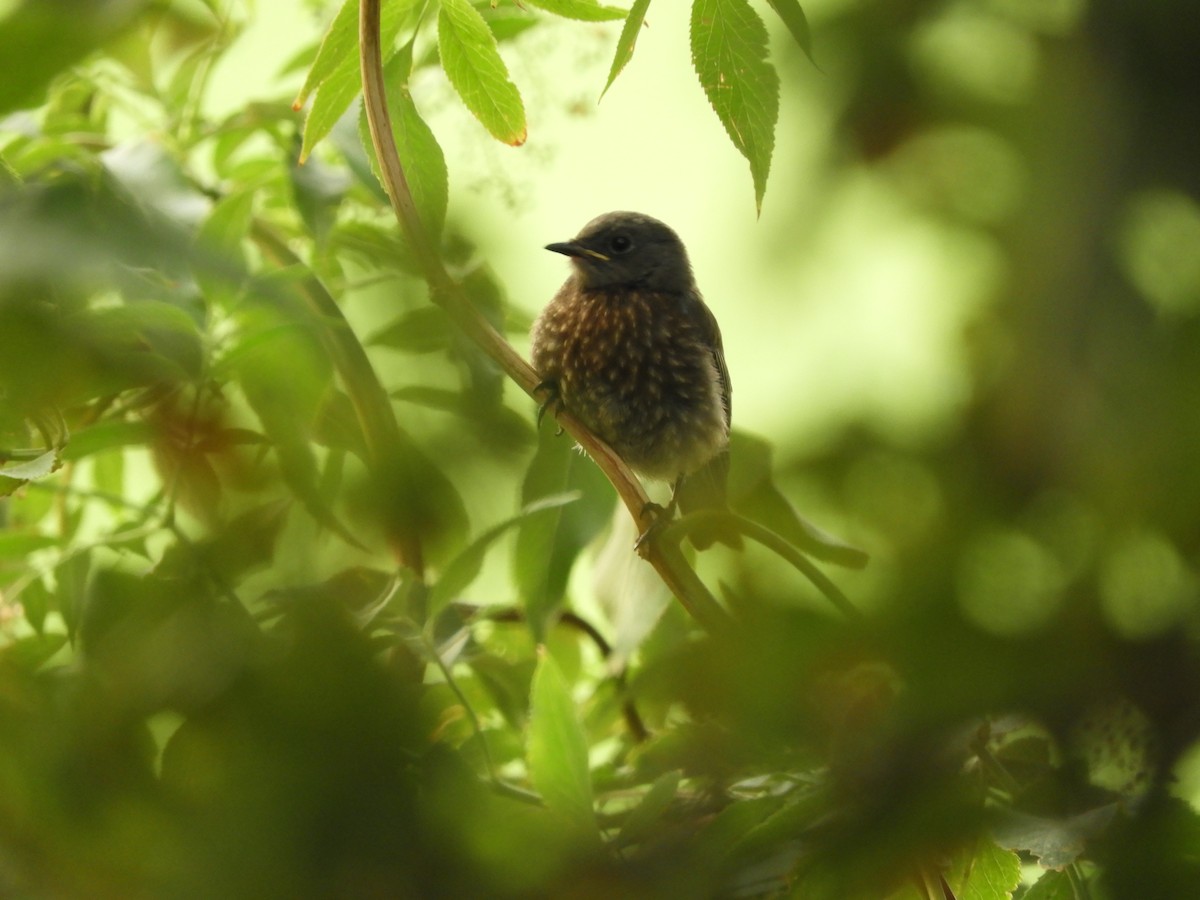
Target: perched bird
{"x": 628, "y": 346}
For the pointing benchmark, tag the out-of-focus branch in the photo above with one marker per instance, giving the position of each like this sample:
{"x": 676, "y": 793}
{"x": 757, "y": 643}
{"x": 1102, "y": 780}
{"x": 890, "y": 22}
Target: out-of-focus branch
{"x": 447, "y": 293}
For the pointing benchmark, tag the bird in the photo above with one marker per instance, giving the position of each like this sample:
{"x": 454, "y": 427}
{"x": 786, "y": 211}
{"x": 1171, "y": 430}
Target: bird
{"x": 628, "y": 346}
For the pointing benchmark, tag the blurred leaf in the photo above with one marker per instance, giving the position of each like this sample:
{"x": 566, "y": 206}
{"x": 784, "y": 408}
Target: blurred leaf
{"x": 319, "y": 189}
{"x": 463, "y": 569}
{"x": 285, "y": 377}
{"x": 335, "y": 73}
{"x": 1051, "y": 886}
{"x": 32, "y": 469}
{"x": 154, "y": 180}
{"x": 40, "y": 38}
{"x": 1055, "y": 842}
{"x": 583, "y": 10}
{"x": 557, "y": 749}
{"x": 627, "y": 41}
{"x": 35, "y": 602}
{"x": 793, "y": 16}
{"x": 646, "y": 815}
{"x": 473, "y": 65}
{"x": 418, "y": 149}
{"x": 29, "y": 653}
{"x": 729, "y": 53}
{"x": 548, "y": 545}
{"x": 422, "y": 329}
{"x": 71, "y": 576}
{"x": 19, "y": 544}
{"x": 990, "y": 873}
{"x": 106, "y": 435}
{"x": 108, "y": 473}
{"x": 754, "y": 494}
{"x": 243, "y": 544}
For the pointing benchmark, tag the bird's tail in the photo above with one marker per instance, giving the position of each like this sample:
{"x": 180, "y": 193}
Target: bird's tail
{"x": 705, "y": 489}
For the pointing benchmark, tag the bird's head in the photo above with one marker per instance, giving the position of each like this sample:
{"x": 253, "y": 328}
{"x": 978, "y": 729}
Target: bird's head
{"x": 627, "y": 249}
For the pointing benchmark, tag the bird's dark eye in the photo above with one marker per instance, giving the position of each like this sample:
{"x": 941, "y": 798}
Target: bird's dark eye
{"x": 619, "y": 243}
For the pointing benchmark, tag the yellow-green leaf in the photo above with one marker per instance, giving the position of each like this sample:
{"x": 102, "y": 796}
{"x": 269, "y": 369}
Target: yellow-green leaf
{"x": 473, "y": 65}
{"x": 557, "y": 750}
{"x": 627, "y": 41}
{"x": 729, "y": 52}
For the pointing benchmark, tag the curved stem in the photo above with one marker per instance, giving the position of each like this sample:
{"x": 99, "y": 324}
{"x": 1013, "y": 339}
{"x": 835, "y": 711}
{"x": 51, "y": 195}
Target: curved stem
{"x": 675, "y": 532}
{"x": 680, "y": 579}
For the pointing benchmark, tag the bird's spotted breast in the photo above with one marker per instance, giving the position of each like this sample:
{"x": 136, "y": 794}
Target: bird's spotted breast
{"x": 636, "y": 368}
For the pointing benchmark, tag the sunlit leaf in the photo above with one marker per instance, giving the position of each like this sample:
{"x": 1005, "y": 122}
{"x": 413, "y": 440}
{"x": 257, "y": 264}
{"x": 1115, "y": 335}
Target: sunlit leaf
{"x": 729, "y": 52}
{"x": 583, "y": 10}
{"x": 29, "y": 470}
{"x": 627, "y": 41}
{"x": 335, "y": 73}
{"x": 473, "y": 65}
{"x": 419, "y": 151}
{"x": 557, "y": 749}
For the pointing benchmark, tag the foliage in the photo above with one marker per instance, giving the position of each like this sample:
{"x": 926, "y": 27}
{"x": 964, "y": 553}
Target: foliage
{"x": 257, "y": 638}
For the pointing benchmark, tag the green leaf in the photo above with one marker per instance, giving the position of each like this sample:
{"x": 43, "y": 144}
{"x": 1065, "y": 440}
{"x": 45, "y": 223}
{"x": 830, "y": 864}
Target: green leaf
{"x": 335, "y": 74}
{"x": 729, "y": 53}
{"x": 473, "y": 65}
{"x": 418, "y": 149}
{"x": 796, "y": 22}
{"x": 19, "y": 544}
{"x": 1051, "y": 886}
{"x": 643, "y": 817}
{"x": 557, "y": 750}
{"x": 39, "y": 39}
{"x": 582, "y": 10}
{"x": 27, "y": 654}
{"x": 422, "y": 329}
{"x": 32, "y": 469}
{"x": 465, "y": 567}
{"x": 627, "y": 41}
{"x": 992, "y": 873}
{"x": 547, "y": 546}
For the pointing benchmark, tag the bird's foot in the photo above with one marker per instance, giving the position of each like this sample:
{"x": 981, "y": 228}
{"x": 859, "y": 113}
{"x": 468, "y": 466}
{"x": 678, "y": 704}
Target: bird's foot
{"x": 553, "y": 399}
{"x": 659, "y": 516}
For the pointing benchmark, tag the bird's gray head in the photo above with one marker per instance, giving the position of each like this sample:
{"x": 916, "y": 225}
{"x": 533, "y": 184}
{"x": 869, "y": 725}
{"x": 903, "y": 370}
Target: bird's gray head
{"x": 627, "y": 249}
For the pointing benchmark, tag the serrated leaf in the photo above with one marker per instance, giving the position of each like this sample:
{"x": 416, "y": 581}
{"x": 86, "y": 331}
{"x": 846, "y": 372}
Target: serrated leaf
{"x": 473, "y": 65}
{"x": 32, "y": 469}
{"x": 797, "y": 23}
{"x": 627, "y": 41}
{"x": 335, "y": 73}
{"x": 557, "y": 750}
{"x": 729, "y": 53}
{"x": 992, "y": 873}
{"x": 419, "y": 151}
{"x": 581, "y": 10}
{"x": 465, "y": 567}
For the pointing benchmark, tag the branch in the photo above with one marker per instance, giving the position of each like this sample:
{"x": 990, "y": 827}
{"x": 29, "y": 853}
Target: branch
{"x": 678, "y": 576}
{"x": 674, "y": 533}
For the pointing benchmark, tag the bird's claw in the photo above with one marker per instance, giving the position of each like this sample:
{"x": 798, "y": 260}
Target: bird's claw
{"x": 659, "y": 516}
{"x": 553, "y": 398}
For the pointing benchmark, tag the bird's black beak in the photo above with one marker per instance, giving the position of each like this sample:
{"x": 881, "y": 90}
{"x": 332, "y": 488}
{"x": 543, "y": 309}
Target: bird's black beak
{"x": 576, "y": 251}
